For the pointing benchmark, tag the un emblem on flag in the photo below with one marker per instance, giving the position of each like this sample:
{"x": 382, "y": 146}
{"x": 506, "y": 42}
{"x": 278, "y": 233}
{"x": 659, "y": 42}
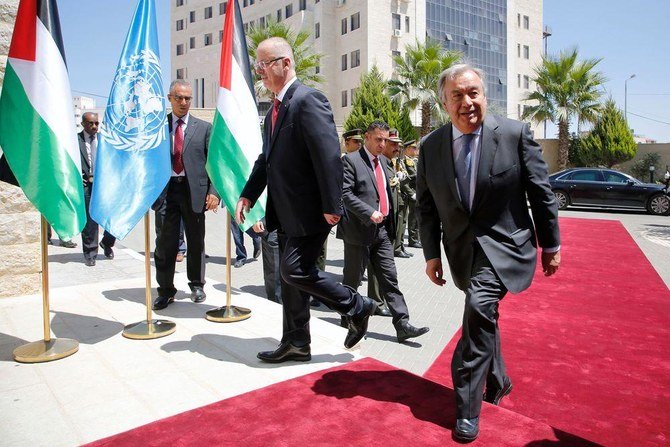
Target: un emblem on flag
{"x": 135, "y": 116}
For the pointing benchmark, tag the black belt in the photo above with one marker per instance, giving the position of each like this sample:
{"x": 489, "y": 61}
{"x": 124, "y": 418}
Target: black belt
{"x": 178, "y": 179}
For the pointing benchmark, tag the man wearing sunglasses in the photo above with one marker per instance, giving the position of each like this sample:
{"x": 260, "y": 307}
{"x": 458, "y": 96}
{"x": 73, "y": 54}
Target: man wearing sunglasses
{"x": 88, "y": 144}
{"x": 301, "y": 167}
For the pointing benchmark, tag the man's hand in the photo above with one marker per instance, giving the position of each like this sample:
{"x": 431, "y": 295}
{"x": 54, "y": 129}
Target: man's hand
{"x": 550, "y": 262}
{"x": 332, "y": 219}
{"x": 211, "y": 202}
{"x": 434, "y": 271}
{"x": 377, "y": 217}
{"x": 243, "y": 206}
{"x": 259, "y": 227}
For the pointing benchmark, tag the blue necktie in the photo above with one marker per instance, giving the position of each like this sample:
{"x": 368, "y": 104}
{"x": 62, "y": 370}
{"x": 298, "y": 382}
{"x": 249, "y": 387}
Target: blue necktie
{"x": 462, "y": 165}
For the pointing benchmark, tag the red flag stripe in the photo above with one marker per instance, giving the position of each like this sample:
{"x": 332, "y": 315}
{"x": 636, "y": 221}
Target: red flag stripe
{"x": 24, "y": 39}
{"x": 225, "y": 73}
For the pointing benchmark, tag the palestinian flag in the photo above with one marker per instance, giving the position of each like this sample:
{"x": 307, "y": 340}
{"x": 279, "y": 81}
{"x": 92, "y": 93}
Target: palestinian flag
{"x": 37, "y": 129}
{"x": 236, "y": 141}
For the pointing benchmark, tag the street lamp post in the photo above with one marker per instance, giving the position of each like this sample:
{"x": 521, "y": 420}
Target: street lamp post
{"x": 545, "y": 36}
{"x": 625, "y": 98}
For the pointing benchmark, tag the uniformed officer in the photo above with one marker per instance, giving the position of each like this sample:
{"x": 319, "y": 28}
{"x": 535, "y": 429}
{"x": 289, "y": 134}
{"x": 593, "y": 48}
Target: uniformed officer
{"x": 410, "y": 160}
{"x": 353, "y": 140}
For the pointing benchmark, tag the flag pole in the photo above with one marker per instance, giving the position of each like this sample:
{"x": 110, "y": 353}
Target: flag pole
{"x": 50, "y": 348}
{"x": 151, "y": 328}
{"x": 228, "y": 313}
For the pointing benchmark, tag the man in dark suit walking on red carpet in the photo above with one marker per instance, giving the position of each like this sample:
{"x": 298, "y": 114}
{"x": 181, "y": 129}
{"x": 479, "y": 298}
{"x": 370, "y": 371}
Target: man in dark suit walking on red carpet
{"x": 474, "y": 178}
{"x": 301, "y": 167}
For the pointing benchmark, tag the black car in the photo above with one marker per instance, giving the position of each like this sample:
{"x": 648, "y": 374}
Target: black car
{"x": 606, "y": 188}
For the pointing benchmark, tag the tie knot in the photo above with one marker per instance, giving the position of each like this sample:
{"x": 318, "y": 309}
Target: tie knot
{"x": 180, "y": 122}
{"x": 277, "y": 103}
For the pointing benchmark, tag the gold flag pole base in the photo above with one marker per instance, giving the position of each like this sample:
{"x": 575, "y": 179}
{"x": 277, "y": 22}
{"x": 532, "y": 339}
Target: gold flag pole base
{"x": 148, "y": 330}
{"x": 46, "y": 351}
{"x": 228, "y": 314}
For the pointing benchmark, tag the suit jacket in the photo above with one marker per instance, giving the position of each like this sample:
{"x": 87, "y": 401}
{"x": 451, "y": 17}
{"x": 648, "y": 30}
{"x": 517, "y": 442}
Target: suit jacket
{"x": 361, "y": 198}
{"x": 194, "y": 157}
{"x": 300, "y": 165}
{"x": 86, "y": 171}
{"x": 510, "y": 169}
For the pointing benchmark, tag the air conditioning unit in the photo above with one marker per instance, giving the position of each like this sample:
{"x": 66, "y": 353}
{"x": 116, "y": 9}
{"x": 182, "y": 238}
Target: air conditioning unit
{"x": 397, "y": 33}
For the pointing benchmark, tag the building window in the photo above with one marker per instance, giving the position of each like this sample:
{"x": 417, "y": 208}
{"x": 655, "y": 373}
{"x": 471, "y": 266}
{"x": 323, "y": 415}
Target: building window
{"x": 208, "y": 12}
{"x": 344, "y": 98}
{"x": 526, "y": 52}
{"x": 289, "y": 10}
{"x": 208, "y": 39}
{"x": 355, "y": 58}
{"x": 526, "y": 22}
{"x": 526, "y": 82}
{"x": 518, "y": 50}
{"x": 180, "y": 3}
{"x": 396, "y": 21}
{"x": 180, "y": 49}
{"x": 220, "y": 36}
{"x": 302, "y": 5}
{"x": 261, "y": 22}
{"x": 180, "y": 73}
{"x": 518, "y": 111}
{"x": 395, "y": 53}
{"x": 222, "y": 8}
{"x": 180, "y": 24}
{"x": 317, "y": 69}
{"x": 518, "y": 20}
{"x": 245, "y": 3}
{"x": 407, "y": 24}
{"x": 518, "y": 80}
{"x": 344, "y": 62}
{"x": 317, "y": 30}
{"x": 344, "y": 26}
{"x": 355, "y": 21}
{"x": 279, "y": 15}
{"x": 353, "y": 93}
{"x": 251, "y": 2}
{"x": 191, "y": 43}
{"x": 191, "y": 16}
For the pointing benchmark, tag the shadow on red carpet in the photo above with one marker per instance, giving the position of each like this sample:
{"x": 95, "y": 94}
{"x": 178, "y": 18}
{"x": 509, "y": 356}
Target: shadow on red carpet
{"x": 587, "y": 349}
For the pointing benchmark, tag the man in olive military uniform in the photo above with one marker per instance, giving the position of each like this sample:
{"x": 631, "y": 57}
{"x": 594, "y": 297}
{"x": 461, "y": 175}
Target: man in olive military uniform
{"x": 410, "y": 160}
{"x": 402, "y": 193}
{"x": 353, "y": 140}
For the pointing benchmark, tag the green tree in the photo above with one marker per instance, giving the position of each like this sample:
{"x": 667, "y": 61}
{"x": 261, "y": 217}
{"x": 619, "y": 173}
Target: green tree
{"x": 306, "y": 61}
{"x": 567, "y": 90}
{"x": 418, "y": 72}
{"x": 405, "y": 126}
{"x": 640, "y": 169}
{"x": 372, "y": 103}
{"x": 611, "y": 141}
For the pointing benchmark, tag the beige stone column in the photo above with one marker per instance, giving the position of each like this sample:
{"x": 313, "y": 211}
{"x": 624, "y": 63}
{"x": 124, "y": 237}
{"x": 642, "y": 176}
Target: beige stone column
{"x": 19, "y": 221}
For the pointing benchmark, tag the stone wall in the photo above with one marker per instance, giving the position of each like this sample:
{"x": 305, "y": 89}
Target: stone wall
{"x": 19, "y": 221}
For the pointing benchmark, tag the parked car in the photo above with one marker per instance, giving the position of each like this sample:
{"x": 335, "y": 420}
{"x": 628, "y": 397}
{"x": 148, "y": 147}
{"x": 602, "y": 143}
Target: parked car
{"x": 607, "y": 188}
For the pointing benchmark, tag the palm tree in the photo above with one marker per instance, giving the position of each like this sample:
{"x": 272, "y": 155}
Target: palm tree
{"x": 567, "y": 90}
{"x": 306, "y": 62}
{"x": 417, "y": 74}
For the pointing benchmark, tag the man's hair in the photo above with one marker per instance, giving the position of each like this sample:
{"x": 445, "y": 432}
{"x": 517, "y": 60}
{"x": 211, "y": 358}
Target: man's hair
{"x": 381, "y": 125}
{"x": 455, "y": 71}
{"x": 178, "y": 82}
{"x": 282, "y": 47}
{"x": 83, "y": 116}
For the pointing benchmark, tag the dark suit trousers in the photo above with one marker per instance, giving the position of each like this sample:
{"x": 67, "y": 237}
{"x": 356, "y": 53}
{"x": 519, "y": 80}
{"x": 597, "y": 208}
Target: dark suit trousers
{"x": 89, "y": 235}
{"x": 380, "y": 257}
{"x": 271, "y": 275}
{"x": 301, "y": 279}
{"x": 478, "y": 359}
{"x": 178, "y": 207}
{"x": 159, "y": 217}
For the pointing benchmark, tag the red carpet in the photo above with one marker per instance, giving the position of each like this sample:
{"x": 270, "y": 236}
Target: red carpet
{"x": 363, "y": 403}
{"x": 587, "y": 350}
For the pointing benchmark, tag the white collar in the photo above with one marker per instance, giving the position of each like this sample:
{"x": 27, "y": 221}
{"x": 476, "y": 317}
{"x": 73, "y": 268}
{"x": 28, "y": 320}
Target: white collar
{"x": 456, "y": 134}
{"x": 184, "y": 118}
{"x": 282, "y": 92}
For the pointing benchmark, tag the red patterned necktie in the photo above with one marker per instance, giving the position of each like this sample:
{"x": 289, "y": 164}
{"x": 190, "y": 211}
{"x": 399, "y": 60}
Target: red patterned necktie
{"x": 177, "y": 161}
{"x": 383, "y": 198}
{"x": 275, "y": 112}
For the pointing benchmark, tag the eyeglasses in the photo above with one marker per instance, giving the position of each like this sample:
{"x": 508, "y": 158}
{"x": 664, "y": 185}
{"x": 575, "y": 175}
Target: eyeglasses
{"x": 180, "y": 98}
{"x": 262, "y": 65}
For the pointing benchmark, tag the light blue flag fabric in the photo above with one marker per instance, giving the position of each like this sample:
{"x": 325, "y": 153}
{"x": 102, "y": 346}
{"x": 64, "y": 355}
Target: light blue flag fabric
{"x": 132, "y": 162}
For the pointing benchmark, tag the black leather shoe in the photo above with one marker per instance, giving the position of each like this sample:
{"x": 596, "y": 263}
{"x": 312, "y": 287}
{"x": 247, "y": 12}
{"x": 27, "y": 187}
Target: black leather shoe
{"x": 162, "y": 302}
{"x": 90, "y": 262}
{"x": 239, "y": 263}
{"x": 401, "y": 254}
{"x": 358, "y": 324}
{"x": 383, "y": 311}
{"x": 68, "y": 244}
{"x": 285, "y": 352}
{"x": 109, "y": 253}
{"x": 467, "y": 429}
{"x": 409, "y": 255}
{"x": 344, "y": 321}
{"x": 257, "y": 252}
{"x": 495, "y": 395}
{"x": 198, "y": 295}
{"x": 406, "y": 331}
{"x": 416, "y": 245}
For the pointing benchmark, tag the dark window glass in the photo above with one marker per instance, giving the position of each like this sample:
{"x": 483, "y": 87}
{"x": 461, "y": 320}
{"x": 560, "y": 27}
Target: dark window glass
{"x": 355, "y": 21}
{"x": 191, "y": 16}
{"x": 289, "y": 10}
{"x": 344, "y": 62}
{"x": 344, "y": 26}
{"x": 586, "y": 176}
